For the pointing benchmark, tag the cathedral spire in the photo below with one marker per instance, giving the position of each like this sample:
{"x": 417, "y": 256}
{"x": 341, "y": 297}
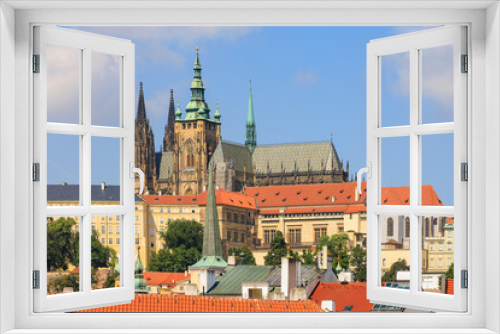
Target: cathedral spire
{"x": 212, "y": 246}
{"x": 250, "y": 133}
{"x": 197, "y": 102}
{"x": 168, "y": 139}
{"x": 141, "y": 107}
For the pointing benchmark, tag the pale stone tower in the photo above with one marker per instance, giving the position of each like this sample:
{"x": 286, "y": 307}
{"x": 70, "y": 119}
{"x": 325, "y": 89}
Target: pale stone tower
{"x": 196, "y": 137}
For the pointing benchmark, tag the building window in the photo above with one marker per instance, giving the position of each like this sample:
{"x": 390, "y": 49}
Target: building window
{"x": 384, "y": 262}
{"x": 117, "y": 230}
{"x": 449, "y": 247}
{"x": 117, "y": 241}
{"x": 407, "y": 227}
{"x": 102, "y": 218}
{"x": 242, "y": 237}
{"x": 440, "y": 247}
{"x": 136, "y": 241}
{"x": 180, "y": 210}
{"x": 295, "y": 236}
{"x": 449, "y": 261}
{"x": 168, "y": 210}
{"x": 152, "y": 244}
{"x": 103, "y": 229}
{"x": 94, "y": 229}
{"x": 136, "y": 230}
{"x": 427, "y": 227}
{"x": 318, "y": 233}
{"x": 162, "y": 221}
{"x": 110, "y": 241}
{"x": 440, "y": 262}
{"x": 152, "y": 232}
{"x": 193, "y": 211}
{"x": 431, "y": 265}
{"x": 110, "y": 229}
{"x": 152, "y": 221}
{"x": 117, "y": 218}
{"x": 136, "y": 218}
{"x": 434, "y": 227}
{"x": 269, "y": 236}
{"x": 161, "y": 210}
{"x": 432, "y": 247}
{"x": 103, "y": 241}
{"x": 228, "y": 237}
{"x": 390, "y": 227}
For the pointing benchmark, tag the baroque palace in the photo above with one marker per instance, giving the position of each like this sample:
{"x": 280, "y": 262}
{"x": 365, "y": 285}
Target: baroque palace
{"x": 192, "y": 140}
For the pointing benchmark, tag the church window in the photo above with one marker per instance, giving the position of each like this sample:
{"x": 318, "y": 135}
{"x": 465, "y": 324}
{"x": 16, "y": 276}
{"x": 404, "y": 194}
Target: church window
{"x": 390, "y": 227}
{"x": 189, "y": 155}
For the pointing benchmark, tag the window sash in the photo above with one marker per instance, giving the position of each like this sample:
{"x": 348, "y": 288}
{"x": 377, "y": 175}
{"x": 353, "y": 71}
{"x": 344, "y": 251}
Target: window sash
{"x": 412, "y": 43}
{"x": 87, "y": 43}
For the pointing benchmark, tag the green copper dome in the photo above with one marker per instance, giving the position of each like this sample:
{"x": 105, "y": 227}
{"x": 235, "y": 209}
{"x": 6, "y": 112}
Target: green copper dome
{"x": 197, "y": 107}
{"x": 217, "y": 113}
{"x": 140, "y": 283}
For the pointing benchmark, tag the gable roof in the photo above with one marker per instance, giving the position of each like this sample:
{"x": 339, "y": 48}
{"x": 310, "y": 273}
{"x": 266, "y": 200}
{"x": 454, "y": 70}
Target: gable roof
{"x": 164, "y": 278}
{"x": 353, "y": 294}
{"x": 175, "y": 303}
{"x": 164, "y": 165}
{"x": 301, "y": 156}
{"x": 308, "y": 274}
{"x": 237, "y": 154}
{"x": 230, "y": 283}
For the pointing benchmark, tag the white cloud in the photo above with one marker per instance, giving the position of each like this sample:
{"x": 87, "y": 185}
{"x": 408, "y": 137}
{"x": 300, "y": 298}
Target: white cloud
{"x": 305, "y": 77}
{"x": 437, "y": 78}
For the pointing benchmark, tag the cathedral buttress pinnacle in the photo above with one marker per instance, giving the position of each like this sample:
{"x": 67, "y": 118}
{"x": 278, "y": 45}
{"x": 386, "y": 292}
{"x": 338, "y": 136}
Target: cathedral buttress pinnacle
{"x": 250, "y": 133}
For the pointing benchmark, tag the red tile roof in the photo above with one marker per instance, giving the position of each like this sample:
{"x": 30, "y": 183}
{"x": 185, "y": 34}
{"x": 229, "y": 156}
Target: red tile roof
{"x": 165, "y": 279}
{"x": 222, "y": 197}
{"x": 173, "y": 303}
{"x": 225, "y": 197}
{"x": 353, "y": 294}
{"x": 450, "y": 286}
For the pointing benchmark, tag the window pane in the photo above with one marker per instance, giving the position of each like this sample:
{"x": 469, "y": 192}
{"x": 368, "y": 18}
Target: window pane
{"x": 105, "y": 171}
{"x": 63, "y": 255}
{"x": 395, "y": 251}
{"x": 395, "y": 171}
{"x": 63, "y": 170}
{"x": 63, "y": 84}
{"x": 437, "y": 254}
{"x": 104, "y": 258}
{"x": 395, "y": 89}
{"x": 437, "y": 84}
{"x": 106, "y": 78}
{"x": 437, "y": 170}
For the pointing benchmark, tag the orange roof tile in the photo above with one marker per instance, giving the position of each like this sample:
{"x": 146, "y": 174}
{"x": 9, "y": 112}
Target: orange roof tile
{"x": 157, "y": 278}
{"x": 170, "y": 199}
{"x": 353, "y": 294}
{"x": 173, "y": 303}
{"x": 450, "y": 286}
{"x": 225, "y": 197}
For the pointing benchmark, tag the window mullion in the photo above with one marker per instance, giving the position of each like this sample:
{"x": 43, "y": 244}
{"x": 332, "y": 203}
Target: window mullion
{"x": 415, "y": 173}
{"x": 85, "y": 167}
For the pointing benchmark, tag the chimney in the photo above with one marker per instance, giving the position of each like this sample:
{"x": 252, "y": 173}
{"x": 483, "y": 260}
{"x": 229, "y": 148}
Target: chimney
{"x": 231, "y": 260}
{"x": 64, "y": 184}
{"x": 289, "y": 275}
{"x": 356, "y": 194}
{"x": 103, "y": 185}
{"x": 328, "y": 305}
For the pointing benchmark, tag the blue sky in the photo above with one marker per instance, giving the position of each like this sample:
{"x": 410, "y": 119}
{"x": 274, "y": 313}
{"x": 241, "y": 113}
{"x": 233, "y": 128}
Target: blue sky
{"x": 308, "y": 83}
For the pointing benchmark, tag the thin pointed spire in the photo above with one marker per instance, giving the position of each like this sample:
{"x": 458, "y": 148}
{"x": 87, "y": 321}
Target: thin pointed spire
{"x": 168, "y": 139}
{"x": 141, "y": 106}
{"x": 250, "y": 133}
{"x": 197, "y": 102}
{"x": 217, "y": 113}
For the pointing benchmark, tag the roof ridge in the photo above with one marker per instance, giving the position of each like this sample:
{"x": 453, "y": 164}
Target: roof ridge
{"x": 300, "y": 143}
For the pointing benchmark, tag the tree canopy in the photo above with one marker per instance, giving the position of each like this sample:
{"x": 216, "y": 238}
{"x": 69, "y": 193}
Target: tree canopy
{"x": 358, "y": 261}
{"x": 62, "y": 243}
{"x": 247, "y": 257}
{"x": 184, "y": 243}
{"x": 277, "y": 251}
{"x": 391, "y": 275}
{"x": 338, "y": 245}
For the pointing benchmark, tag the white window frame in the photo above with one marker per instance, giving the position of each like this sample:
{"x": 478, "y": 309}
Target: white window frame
{"x": 85, "y": 130}
{"x": 413, "y": 43}
{"x": 15, "y": 39}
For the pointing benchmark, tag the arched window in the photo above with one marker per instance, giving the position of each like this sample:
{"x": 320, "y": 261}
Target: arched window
{"x": 189, "y": 155}
{"x": 407, "y": 227}
{"x": 427, "y": 227}
{"x": 390, "y": 227}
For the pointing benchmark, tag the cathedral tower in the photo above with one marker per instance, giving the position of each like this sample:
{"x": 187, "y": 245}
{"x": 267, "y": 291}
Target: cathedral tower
{"x": 168, "y": 139}
{"x": 144, "y": 147}
{"x": 196, "y": 137}
{"x": 250, "y": 133}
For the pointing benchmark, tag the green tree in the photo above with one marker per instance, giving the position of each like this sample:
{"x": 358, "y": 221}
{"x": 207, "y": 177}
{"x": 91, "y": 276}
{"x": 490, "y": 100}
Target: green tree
{"x": 173, "y": 260}
{"x": 182, "y": 232}
{"x": 309, "y": 256}
{"x": 338, "y": 245}
{"x": 248, "y": 256}
{"x": 102, "y": 256}
{"x": 57, "y": 284}
{"x": 62, "y": 243}
{"x": 451, "y": 271}
{"x": 358, "y": 261}
{"x": 277, "y": 251}
{"x": 391, "y": 275}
